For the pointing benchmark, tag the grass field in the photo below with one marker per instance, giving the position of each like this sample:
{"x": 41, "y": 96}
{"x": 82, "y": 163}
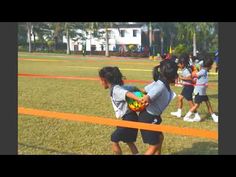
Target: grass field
{"x": 37, "y": 135}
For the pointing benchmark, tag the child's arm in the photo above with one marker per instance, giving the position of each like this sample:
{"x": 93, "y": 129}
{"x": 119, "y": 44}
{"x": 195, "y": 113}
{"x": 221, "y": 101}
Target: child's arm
{"x": 133, "y": 96}
{"x": 189, "y": 78}
{"x": 143, "y": 91}
{"x": 198, "y": 74}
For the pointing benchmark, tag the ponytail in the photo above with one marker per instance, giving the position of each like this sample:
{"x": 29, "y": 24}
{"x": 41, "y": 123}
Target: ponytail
{"x": 118, "y": 77}
{"x": 156, "y": 73}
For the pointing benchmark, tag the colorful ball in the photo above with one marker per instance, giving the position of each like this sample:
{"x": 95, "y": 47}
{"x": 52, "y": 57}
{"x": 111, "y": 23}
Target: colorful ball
{"x": 134, "y": 105}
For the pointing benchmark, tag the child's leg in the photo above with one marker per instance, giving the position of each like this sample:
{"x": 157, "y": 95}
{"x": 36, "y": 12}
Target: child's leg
{"x": 159, "y": 146}
{"x": 191, "y": 111}
{"x": 195, "y": 107}
{"x": 209, "y": 107}
{"x": 116, "y": 148}
{"x": 152, "y": 149}
{"x": 210, "y": 110}
{"x": 133, "y": 148}
{"x": 180, "y": 106}
{"x": 180, "y": 101}
{"x": 191, "y": 104}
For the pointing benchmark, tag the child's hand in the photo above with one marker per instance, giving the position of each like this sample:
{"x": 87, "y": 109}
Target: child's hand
{"x": 180, "y": 77}
{"x": 145, "y": 100}
{"x": 194, "y": 74}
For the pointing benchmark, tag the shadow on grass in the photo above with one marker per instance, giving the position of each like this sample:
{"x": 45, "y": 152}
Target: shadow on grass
{"x": 200, "y": 148}
{"x": 46, "y": 149}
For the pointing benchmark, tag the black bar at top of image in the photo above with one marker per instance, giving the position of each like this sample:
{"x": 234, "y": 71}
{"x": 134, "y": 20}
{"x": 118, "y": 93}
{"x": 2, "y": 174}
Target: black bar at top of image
{"x": 8, "y": 88}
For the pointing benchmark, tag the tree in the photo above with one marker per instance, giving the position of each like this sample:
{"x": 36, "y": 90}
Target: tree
{"x": 40, "y": 30}
{"x": 22, "y": 34}
{"x": 168, "y": 32}
{"x": 201, "y": 33}
{"x": 29, "y": 28}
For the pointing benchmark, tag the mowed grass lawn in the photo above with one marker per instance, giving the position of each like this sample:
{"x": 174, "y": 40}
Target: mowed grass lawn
{"x": 37, "y": 135}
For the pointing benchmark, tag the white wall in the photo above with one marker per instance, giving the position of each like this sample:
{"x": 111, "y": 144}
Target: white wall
{"x": 115, "y": 38}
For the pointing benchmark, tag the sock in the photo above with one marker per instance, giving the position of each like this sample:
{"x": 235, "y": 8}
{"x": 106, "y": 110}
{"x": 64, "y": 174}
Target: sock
{"x": 196, "y": 114}
{"x": 188, "y": 114}
{"x": 179, "y": 111}
{"x": 213, "y": 114}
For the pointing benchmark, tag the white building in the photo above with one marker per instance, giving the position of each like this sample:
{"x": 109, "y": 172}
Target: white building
{"x": 124, "y": 34}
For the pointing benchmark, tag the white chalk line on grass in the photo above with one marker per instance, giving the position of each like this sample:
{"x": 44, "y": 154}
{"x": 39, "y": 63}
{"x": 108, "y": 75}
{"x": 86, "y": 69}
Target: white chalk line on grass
{"x": 124, "y": 69}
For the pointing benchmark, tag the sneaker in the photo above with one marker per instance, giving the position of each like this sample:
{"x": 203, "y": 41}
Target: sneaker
{"x": 188, "y": 119}
{"x": 177, "y": 114}
{"x": 215, "y": 118}
{"x": 197, "y": 119}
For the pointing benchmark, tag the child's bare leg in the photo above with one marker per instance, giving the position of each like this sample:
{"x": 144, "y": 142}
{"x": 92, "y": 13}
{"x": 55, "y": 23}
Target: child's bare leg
{"x": 159, "y": 146}
{"x": 195, "y": 107}
{"x": 152, "y": 149}
{"x": 116, "y": 148}
{"x": 209, "y": 107}
{"x": 133, "y": 148}
{"x": 191, "y": 104}
{"x": 189, "y": 113}
{"x": 180, "y": 101}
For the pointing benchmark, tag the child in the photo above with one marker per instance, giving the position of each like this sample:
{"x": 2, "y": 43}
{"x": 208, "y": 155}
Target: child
{"x": 157, "y": 99}
{"x": 187, "y": 92}
{"x": 111, "y": 78}
{"x": 200, "y": 92}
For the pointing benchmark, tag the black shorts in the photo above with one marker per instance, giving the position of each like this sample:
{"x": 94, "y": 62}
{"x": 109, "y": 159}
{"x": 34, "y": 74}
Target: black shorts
{"x": 187, "y": 92}
{"x": 150, "y": 137}
{"x": 127, "y": 135}
{"x": 200, "y": 98}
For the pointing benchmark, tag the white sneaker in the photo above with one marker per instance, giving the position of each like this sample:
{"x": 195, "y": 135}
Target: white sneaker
{"x": 177, "y": 114}
{"x": 215, "y": 118}
{"x": 188, "y": 119}
{"x": 197, "y": 118}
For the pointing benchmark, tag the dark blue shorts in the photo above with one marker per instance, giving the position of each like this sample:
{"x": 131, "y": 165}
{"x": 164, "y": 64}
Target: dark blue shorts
{"x": 127, "y": 135}
{"x": 187, "y": 92}
{"x": 200, "y": 98}
{"x": 150, "y": 137}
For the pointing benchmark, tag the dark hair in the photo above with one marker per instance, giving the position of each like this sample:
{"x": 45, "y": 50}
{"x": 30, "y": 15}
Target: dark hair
{"x": 166, "y": 72}
{"x": 184, "y": 59}
{"x": 208, "y": 61}
{"x": 156, "y": 73}
{"x": 112, "y": 75}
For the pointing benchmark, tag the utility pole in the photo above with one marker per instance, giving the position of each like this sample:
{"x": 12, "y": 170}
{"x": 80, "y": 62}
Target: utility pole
{"x": 150, "y": 39}
{"x": 194, "y": 44}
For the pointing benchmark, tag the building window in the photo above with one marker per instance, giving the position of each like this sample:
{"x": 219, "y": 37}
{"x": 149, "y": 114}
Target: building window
{"x": 76, "y": 48}
{"x": 135, "y": 33}
{"x": 122, "y": 33}
{"x": 93, "y": 48}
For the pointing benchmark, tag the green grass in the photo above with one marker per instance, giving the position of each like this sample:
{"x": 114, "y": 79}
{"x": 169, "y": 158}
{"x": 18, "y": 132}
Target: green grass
{"x": 37, "y": 135}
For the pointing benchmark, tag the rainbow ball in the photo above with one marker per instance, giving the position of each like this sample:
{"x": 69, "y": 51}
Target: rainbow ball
{"x": 134, "y": 105}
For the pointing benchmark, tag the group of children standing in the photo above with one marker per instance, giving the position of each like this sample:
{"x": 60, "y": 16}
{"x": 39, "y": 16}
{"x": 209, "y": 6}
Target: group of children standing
{"x": 157, "y": 97}
{"x": 194, "y": 83}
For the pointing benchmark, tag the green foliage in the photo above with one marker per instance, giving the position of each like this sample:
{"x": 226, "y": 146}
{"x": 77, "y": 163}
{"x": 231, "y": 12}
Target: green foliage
{"x": 179, "y": 49}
